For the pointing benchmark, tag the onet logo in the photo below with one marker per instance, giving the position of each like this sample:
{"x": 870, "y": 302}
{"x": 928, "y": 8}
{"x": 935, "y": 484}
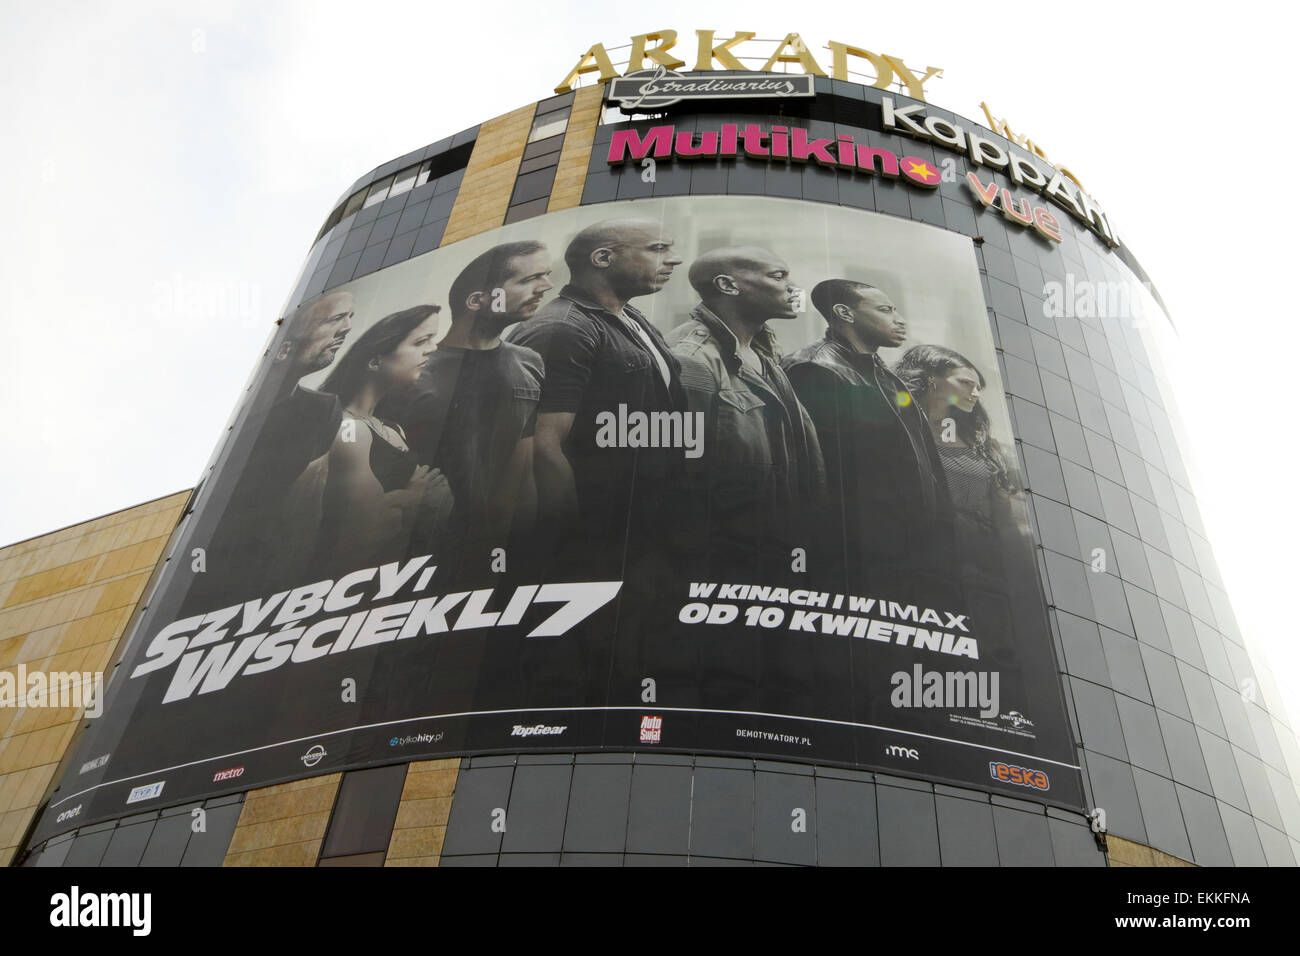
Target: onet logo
{"x": 908, "y": 752}
{"x": 314, "y": 756}
{"x": 68, "y": 814}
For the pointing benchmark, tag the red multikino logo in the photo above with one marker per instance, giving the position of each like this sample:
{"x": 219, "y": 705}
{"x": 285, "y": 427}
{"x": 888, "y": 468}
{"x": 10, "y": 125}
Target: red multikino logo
{"x": 652, "y": 729}
{"x": 779, "y": 142}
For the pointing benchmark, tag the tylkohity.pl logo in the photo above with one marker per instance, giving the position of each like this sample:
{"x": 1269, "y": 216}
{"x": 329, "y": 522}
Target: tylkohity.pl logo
{"x": 415, "y": 739}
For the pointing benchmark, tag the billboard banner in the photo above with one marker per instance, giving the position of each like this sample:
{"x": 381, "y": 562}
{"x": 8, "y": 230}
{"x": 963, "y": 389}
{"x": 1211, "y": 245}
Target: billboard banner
{"x": 715, "y": 475}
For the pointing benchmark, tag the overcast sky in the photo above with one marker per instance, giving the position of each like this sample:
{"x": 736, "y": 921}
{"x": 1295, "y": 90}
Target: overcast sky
{"x": 169, "y": 164}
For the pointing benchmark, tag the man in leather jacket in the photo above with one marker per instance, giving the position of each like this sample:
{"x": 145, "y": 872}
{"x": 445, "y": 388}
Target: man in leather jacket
{"x": 885, "y": 477}
{"x": 762, "y": 465}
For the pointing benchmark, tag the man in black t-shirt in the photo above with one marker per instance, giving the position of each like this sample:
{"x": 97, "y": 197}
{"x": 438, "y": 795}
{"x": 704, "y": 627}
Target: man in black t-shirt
{"x": 473, "y": 412}
{"x": 603, "y": 358}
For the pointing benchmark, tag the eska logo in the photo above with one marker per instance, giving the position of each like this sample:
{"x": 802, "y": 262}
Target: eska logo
{"x": 1020, "y": 776}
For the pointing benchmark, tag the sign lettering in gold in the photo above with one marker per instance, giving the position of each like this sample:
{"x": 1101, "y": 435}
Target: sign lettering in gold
{"x": 713, "y": 53}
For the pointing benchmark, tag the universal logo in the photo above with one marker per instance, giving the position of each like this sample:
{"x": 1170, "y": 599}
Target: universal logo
{"x": 1016, "y": 719}
{"x": 314, "y": 756}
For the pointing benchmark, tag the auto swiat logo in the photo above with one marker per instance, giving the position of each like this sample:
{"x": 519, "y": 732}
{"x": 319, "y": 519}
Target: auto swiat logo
{"x": 1020, "y": 776}
{"x": 652, "y": 729}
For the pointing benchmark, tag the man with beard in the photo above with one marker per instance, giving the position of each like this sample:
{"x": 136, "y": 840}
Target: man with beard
{"x": 885, "y": 476}
{"x": 600, "y": 354}
{"x": 267, "y": 530}
{"x": 762, "y": 465}
{"x": 472, "y": 414}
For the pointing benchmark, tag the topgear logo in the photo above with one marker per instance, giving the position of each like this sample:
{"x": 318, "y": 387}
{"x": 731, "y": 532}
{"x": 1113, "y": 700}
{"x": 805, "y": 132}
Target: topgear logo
{"x": 536, "y": 730}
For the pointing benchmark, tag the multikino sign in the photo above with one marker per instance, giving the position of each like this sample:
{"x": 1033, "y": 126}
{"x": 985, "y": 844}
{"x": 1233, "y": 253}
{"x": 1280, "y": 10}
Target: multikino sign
{"x": 777, "y": 142}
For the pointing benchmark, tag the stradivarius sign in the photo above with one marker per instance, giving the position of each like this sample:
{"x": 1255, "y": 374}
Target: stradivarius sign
{"x": 652, "y": 89}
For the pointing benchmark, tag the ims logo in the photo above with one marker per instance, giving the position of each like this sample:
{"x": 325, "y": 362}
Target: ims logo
{"x": 652, "y": 729}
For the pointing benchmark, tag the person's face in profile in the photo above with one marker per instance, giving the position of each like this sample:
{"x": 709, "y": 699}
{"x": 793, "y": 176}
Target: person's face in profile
{"x": 643, "y": 264}
{"x": 326, "y": 327}
{"x": 403, "y": 365}
{"x": 529, "y": 280}
{"x": 878, "y": 321}
{"x": 959, "y": 389}
{"x": 766, "y": 288}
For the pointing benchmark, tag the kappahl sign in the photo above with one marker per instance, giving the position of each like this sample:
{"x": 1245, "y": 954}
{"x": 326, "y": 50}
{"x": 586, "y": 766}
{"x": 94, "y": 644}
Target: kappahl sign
{"x": 652, "y": 89}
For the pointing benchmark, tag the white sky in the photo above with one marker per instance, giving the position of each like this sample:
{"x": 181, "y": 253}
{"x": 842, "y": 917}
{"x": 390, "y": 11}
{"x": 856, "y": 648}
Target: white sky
{"x": 169, "y": 164}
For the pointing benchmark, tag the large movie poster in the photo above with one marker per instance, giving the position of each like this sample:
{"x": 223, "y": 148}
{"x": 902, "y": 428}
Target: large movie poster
{"x": 729, "y": 475}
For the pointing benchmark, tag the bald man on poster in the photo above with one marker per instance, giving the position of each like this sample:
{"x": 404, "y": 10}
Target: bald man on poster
{"x": 601, "y": 355}
{"x": 762, "y": 465}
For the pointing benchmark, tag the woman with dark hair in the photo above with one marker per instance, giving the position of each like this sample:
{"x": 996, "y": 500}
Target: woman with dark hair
{"x": 947, "y": 386}
{"x": 376, "y": 494}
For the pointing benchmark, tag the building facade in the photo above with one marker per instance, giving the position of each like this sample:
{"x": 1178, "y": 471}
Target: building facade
{"x": 1133, "y": 727}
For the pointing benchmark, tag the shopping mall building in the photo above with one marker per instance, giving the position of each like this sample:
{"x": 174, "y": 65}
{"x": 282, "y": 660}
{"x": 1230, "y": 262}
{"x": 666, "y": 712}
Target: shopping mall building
{"x": 823, "y": 506}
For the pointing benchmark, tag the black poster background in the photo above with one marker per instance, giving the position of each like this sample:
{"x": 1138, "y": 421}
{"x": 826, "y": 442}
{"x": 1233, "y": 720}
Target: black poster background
{"x": 724, "y": 688}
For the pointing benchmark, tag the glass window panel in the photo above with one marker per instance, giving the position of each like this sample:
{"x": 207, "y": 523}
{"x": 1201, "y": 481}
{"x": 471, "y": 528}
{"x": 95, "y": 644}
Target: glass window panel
{"x": 1113, "y": 790}
{"x": 551, "y": 124}
{"x": 966, "y": 832}
{"x": 354, "y": 203}
{"x": 127, "y": 845}
{"x": 364, "y": 811}
{"x": 597, "y": 817}
{"x": 1074, "y": 845}
{"x": 659, "y": 814}
{"x": 378, "y": 192}
{"x": 778, "y": 797}
{"x": 846, "y": 823}
{"x": 909, "y": 835}
{"x": 209, "y": 847}
{"x": 722, "y": 813}
{"x": 479, "y": 791}
{"x": 538, "y": 800}
{"x": 1204, "y": 828}
{"x": 1023, "y": 838}
{"x": 404, "y": 180}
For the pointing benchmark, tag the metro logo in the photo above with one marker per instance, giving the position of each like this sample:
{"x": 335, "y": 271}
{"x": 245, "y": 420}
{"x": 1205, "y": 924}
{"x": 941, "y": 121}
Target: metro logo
{"x": 1020, "y": 776}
